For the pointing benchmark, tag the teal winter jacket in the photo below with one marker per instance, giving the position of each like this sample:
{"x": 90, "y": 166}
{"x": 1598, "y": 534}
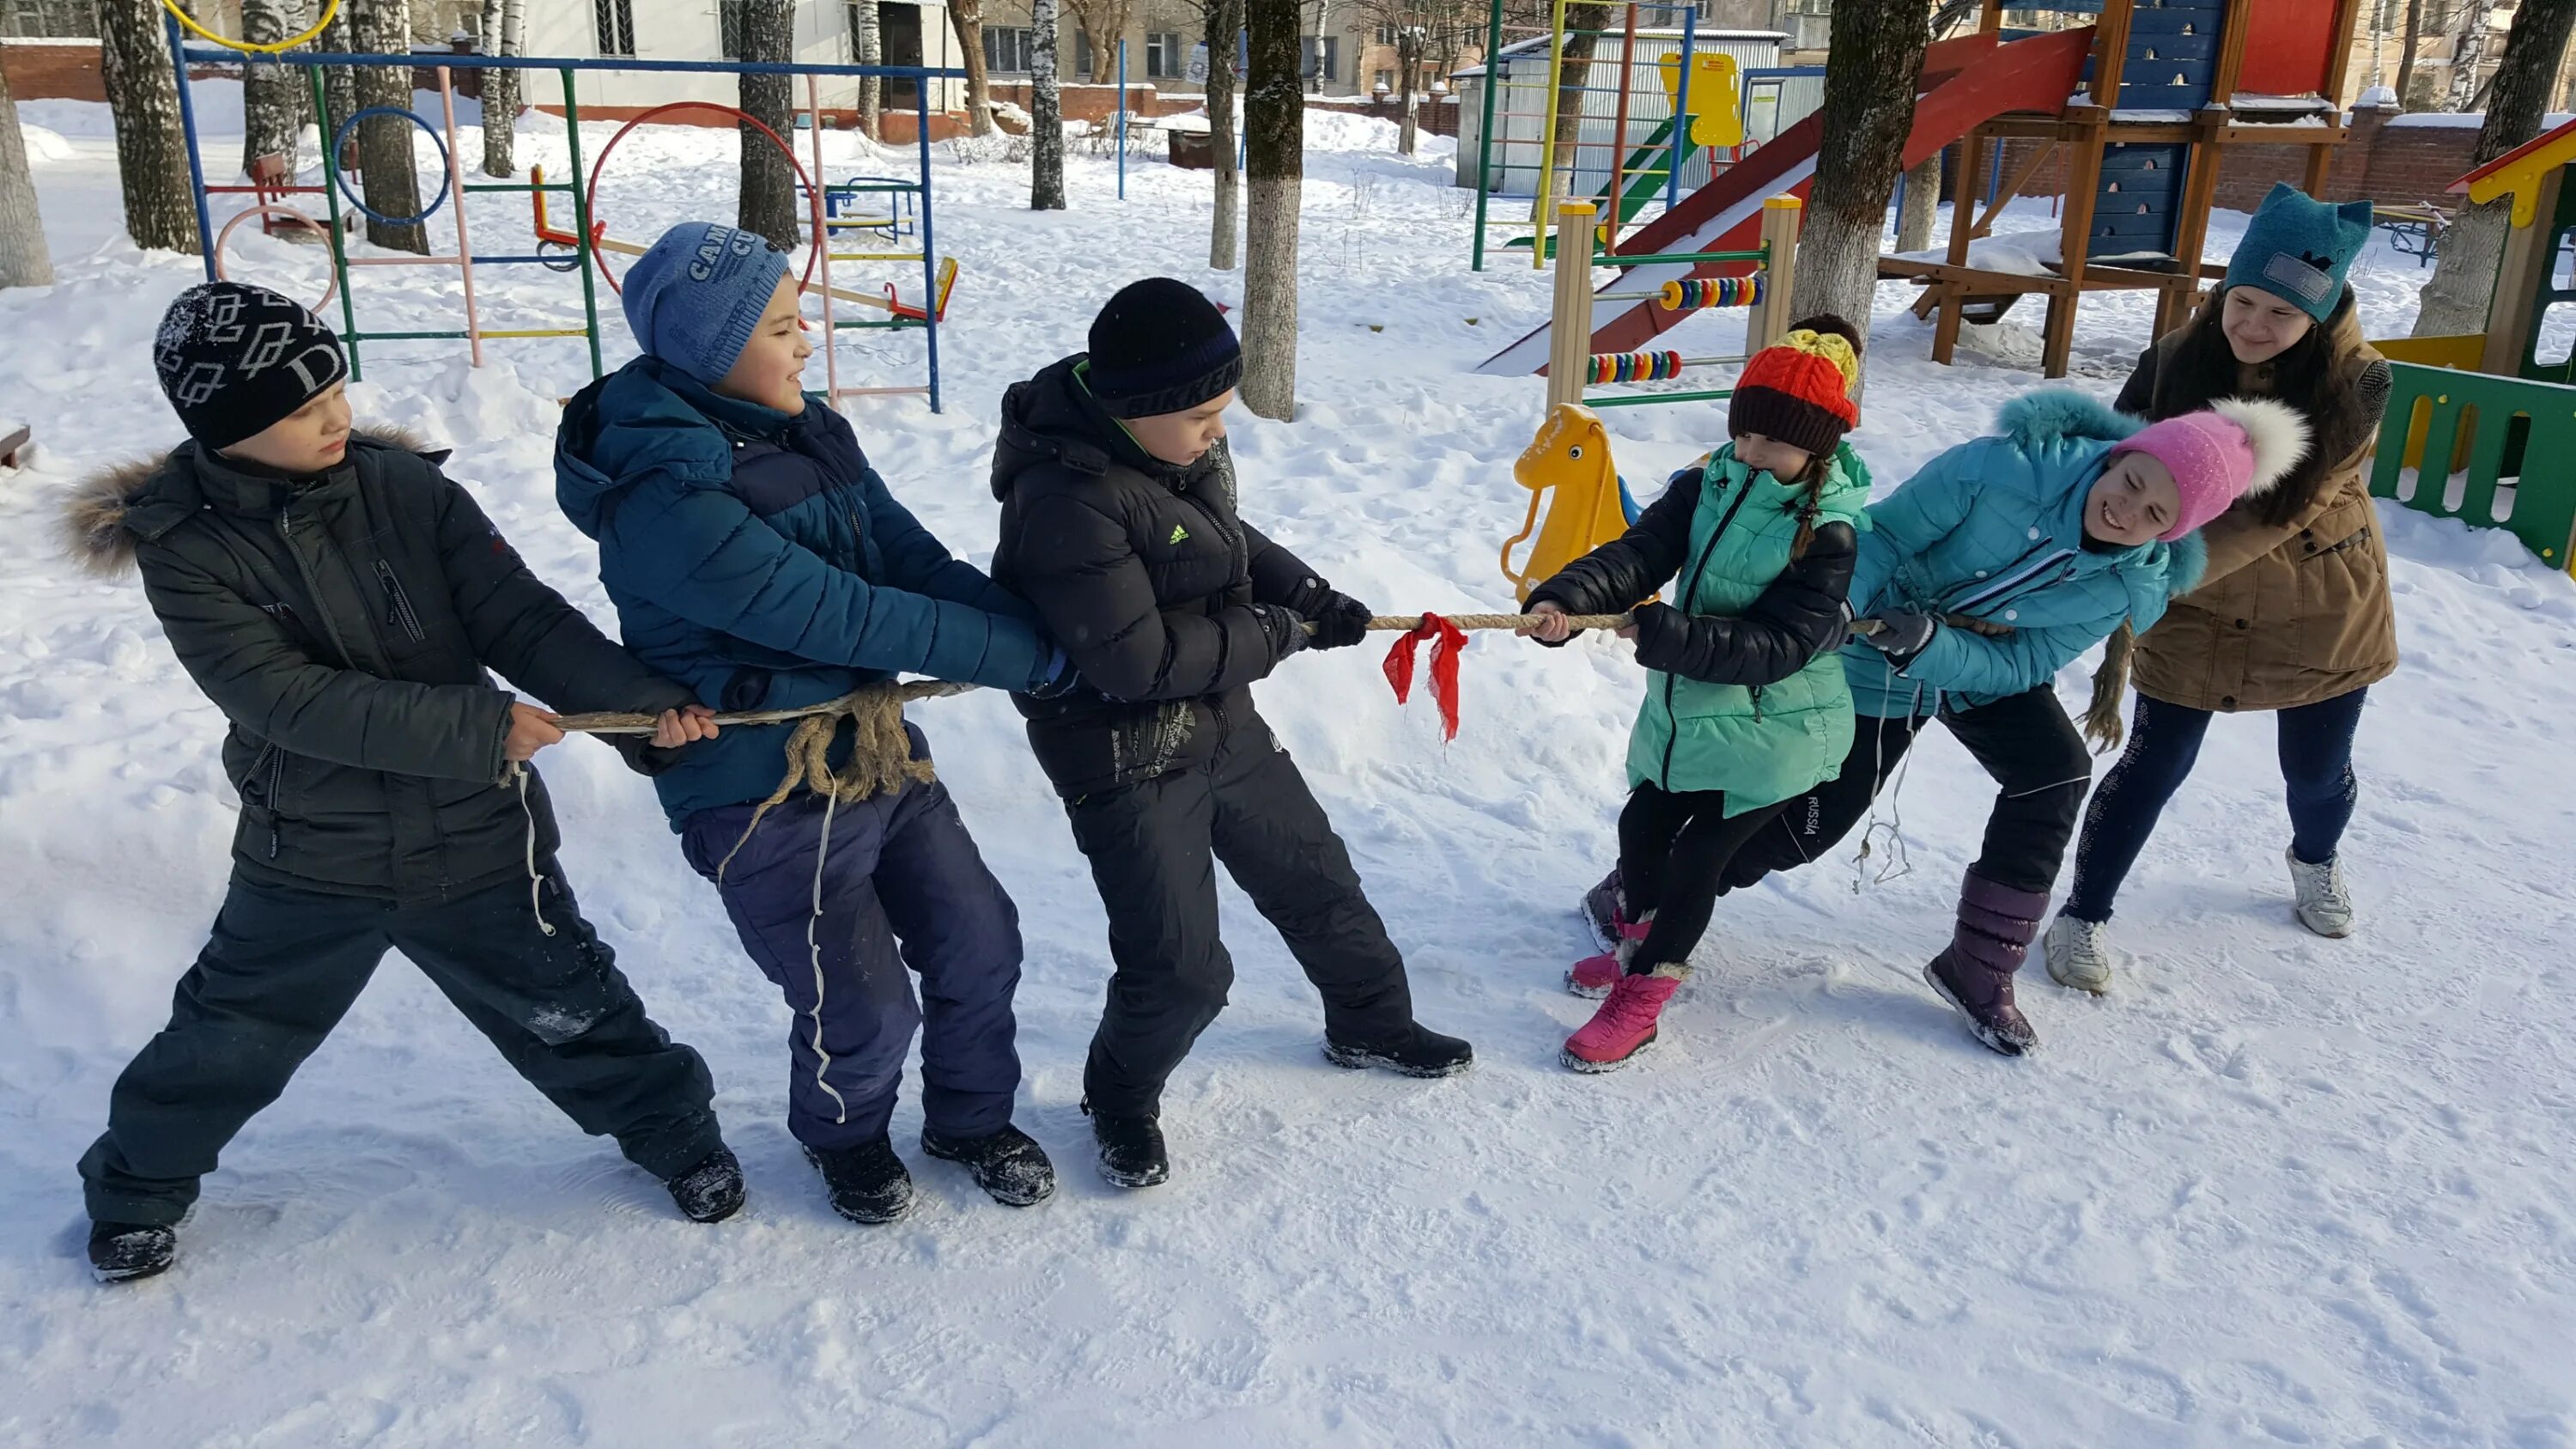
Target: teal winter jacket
{"x": 1994, "y": 529}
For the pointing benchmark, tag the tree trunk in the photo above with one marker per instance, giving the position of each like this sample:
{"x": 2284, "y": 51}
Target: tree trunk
{"x": 2467, "y": 53}
{"x": 504, "y": 33}
{"x": 24, "y": 262}
{"x": 1922, "y": 207}
{"x": 868, "y": 39}
{"x": 1274, "y": 121}
{"x": 2406, "y": 53}
{"x": 151, "y": 153}
{"x": 1868, "y": 109}
{"x": 390, "y": 176}
{"x": 1408, "y": 73}
{"x": 339, "y": 82}
{"x": 1046, "y": 111}
{"x": 966, "y": 17}
{"x": 2455, "y": 302}
{"x": 1224, "y": 24}
{"x": 272, "y": 95}
{"x": 767, "y": 204}
{"x": 1574, "y": 75}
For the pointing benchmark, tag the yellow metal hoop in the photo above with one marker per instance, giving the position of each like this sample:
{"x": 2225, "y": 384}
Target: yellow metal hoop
{"x": 330, "y": 8}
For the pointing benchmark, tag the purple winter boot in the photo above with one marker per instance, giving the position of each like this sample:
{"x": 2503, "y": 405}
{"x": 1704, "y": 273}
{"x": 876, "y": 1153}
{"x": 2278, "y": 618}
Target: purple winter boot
{"x": 1996, "y": 926}
{"x": 1605, "y": 910}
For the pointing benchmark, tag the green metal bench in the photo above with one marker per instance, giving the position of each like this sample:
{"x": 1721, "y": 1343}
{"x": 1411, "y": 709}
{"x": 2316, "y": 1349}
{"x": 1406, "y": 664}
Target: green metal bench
{"x": 2430, "y": 416}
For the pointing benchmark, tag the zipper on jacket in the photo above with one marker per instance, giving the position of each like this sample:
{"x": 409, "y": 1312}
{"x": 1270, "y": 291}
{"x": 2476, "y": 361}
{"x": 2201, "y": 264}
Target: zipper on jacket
{"x": 398, "y": 611}
{"x": 1757, "y": 704}
{"x": 1690, "y": 586}
{"x": 313, "y": 588}
{"x": 2011, "y": 579}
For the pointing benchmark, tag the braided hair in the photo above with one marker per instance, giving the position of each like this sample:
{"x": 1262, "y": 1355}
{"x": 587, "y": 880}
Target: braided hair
{"x": 1811, "y": 500}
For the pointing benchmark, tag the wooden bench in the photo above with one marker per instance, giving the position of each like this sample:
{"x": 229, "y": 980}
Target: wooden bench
{"x": 2415, "y": 231}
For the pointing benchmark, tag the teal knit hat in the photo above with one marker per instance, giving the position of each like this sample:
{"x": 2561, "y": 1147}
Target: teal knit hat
{"x": 2298, "y": 249}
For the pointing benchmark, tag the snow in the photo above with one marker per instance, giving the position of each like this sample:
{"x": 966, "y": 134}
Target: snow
{"x": 2271, "y": 1189}
{"x": 2469, "y": 120}
{"x": 2032, "y": 253}
{"x": 44, "y": 147}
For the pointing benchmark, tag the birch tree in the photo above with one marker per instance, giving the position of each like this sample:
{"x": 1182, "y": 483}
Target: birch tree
{"x": 390, "y": 177}
{"x": 1274, "y": 123}
{"x": 151, "y": 151}
{"x": 24, "y": 262}
{"x": 272, "y": 95}
{"x": 1224, "y": 24}
{"x": 1046, "y": 111}
{"x": 504, "y": 34}
{"x": 1875, "y": 59}
{"x": 767, "y": 203}
{"x": 867, "y": 44}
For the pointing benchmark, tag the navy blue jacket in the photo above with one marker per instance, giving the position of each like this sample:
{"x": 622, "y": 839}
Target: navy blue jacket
{"x": 757, "y": 558}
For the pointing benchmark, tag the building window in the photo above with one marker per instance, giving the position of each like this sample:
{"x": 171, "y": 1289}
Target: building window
{"x": 1323, "y": 57}
{"x": 731, "y": 19}
{"x": 50, "y": 19}
{"x": 1386, "y": 80}
{"x": 1386, "y": 35}
{"x": 1165, "y": 54}
{"x": 615, "y": 22}
{"x": 1007, "y": 51}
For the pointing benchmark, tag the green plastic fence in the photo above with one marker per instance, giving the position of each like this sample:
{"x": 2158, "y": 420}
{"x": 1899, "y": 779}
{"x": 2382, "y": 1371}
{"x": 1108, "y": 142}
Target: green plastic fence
{"x": 2486, "y": 427}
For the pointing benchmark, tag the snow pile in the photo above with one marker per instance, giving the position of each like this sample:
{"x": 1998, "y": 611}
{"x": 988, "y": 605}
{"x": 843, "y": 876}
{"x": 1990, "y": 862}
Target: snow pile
{"x": 2271, "y": 1189}
{"x": 45, "y": 147}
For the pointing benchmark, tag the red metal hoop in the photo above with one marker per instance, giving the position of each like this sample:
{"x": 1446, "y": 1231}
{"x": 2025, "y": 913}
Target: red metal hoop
{"x": 599, "y": 255}
{"x": 330, "y": 288}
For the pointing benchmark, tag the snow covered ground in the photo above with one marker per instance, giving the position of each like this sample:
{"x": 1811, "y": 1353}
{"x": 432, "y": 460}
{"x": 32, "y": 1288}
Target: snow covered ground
{"x": 2271, "y": 1189}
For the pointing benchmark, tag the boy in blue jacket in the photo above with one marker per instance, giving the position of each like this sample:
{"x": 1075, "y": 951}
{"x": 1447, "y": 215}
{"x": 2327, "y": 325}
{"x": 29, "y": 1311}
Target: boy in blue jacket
{"x": 1978, "y": 580}
{"x": 754, "y": 555}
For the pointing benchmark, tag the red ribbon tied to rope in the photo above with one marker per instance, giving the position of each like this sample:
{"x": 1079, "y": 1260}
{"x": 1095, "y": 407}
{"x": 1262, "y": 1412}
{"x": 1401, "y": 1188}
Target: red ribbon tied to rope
{"x": 1447, "y": 639}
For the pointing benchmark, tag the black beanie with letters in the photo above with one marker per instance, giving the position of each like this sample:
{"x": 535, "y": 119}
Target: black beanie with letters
{"x": 235, "y": 360}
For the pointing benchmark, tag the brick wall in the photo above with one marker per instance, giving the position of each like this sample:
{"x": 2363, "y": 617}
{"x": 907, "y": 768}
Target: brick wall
{"x": 2391, "y": 164}
{"x": 55, "y": 71}
{"x": 1436, "y": 116}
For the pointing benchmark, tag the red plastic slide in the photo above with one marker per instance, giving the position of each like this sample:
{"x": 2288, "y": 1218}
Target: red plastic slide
{"x": 1966, "y": 82}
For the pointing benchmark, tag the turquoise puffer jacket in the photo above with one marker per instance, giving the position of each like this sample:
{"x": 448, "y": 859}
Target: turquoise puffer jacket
{"x": 1994, "y": 529}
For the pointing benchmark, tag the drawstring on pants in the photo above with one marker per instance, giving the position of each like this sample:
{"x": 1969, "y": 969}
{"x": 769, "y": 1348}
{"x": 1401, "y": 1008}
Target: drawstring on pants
{"x": 536, "y": 882}
{"x": 1899, "y": 863}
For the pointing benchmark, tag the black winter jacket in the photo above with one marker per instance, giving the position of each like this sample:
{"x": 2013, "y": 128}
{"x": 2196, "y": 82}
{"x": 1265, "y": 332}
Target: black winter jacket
{"x": 1165, "y": 600}
{"x": 1799, "y": 616}
{"x": 343, "y": 625}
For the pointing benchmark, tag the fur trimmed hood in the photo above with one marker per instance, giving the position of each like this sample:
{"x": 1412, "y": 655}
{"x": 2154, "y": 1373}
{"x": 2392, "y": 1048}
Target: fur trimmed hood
{"x": 2057, "y": 414}
{"x": 100, "y": 526}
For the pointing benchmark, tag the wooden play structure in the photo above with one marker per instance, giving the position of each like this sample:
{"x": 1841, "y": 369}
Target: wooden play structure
{"x": 1767, "y": 293}
{"x": 2488, "y": 402}
{"x": 2167, "y": 87}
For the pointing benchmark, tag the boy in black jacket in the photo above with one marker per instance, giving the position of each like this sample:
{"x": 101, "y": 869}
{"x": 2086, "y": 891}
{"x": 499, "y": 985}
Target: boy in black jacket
{"x": 1119, "y": 525}
{"x": 340, "y": 600}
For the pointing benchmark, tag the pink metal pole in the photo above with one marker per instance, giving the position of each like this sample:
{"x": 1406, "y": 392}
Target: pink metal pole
{"x": 822, "y": 239}
{"x": 456, "y": 189}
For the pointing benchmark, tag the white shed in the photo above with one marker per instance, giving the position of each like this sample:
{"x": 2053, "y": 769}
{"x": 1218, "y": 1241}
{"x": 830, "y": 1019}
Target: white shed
{"x": 1769, "y": 104}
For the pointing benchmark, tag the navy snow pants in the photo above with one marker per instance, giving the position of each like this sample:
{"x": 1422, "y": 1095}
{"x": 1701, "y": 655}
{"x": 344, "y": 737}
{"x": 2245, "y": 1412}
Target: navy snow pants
{"x": 898, "y": 884}
{"x": 282, "y": 966}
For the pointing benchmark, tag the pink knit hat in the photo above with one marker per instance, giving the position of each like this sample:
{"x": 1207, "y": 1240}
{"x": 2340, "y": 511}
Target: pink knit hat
{"x": 2239, "y": 448}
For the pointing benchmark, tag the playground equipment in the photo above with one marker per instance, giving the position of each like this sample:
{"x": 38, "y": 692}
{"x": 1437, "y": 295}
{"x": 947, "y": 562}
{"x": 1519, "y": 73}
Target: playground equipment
{"x": 1570, "y": 458}
{"x": 1966, "y": 82}
{"x": 2168, "y": 86}
{"x": 1767, "y": 294}
{"x": 586, "y": 244}
{"x": 2489, "y": 403}
{"x": 1659, "y": 102}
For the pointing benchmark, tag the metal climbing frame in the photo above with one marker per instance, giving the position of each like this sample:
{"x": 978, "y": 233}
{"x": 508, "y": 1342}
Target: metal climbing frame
{"x": 586, "y": 239}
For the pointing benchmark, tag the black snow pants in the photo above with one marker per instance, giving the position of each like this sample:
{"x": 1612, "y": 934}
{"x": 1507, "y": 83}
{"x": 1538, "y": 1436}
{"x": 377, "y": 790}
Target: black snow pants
{"x": 2025, "y": 741}
{"x": 1153, "y": 848}
{"x": 282, "y": 966}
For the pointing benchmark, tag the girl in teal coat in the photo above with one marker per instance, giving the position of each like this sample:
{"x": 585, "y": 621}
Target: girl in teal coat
{"x": 1978, "y": 580}
{"x": 1746, "y": 705}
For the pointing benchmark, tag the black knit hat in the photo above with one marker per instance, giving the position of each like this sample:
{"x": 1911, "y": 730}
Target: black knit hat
{"x": 235, "y": 360}
{"x": 1161, "y": 347}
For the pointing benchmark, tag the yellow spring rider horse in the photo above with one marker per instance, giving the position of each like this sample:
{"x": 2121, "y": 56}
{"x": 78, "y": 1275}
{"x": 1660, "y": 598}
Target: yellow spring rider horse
{"x": 1571, "y": 455}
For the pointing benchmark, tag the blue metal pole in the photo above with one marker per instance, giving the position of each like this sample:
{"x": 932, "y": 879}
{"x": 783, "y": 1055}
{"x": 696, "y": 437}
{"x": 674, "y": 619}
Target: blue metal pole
{"x": 1122, "y": 120}
{"x": 1242, "y": 66}
{"x": 188, "y": 130}
{"x": 929, "y": 243}
{"x": 1681, "y": 110}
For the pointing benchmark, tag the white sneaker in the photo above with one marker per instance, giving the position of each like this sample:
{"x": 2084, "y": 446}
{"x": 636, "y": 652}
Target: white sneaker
{"x": 2077, "y": 954}
{"x": 2324, "y": 907}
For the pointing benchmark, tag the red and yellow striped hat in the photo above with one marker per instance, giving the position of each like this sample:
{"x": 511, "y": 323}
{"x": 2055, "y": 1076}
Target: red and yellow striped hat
{"x": 1798, "y": 390}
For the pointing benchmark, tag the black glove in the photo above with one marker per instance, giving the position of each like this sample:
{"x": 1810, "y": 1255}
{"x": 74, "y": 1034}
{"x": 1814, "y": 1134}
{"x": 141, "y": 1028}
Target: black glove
{"x": 1340, "y": 620}
{"x": 1056, "y": 678}
{"x": 1901, "y": 634}
{"x": 1285, "y": 628}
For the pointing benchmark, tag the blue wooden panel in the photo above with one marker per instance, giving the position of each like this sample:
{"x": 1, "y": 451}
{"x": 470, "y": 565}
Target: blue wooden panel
{"x": 2149, "y": 49}
{"x": 2132, "y": 158}
{"x": 2190, "y": 96}
{"x": 2174, "y": 22}
{"x": 2140, "y": 198}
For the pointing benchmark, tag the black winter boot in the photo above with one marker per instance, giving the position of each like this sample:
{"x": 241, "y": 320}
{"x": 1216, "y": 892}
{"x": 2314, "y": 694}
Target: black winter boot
{"x": 121, "y": 1252}
{"x": 1996, "y": 925}
{"x": 1421, "y": 1053}
{"x": 1605, "y": 910}
{"x": 1131, "y": 1149}
{"x": 711, "y": 1191}
{"x": 868, "y": 1183}
{"x": 1008, "y": 1165}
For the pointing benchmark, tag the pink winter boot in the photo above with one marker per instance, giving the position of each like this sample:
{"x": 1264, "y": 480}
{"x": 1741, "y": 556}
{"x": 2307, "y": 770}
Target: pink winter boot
{"x": 1593, "y": 976}
{"x": 1625, "y": 1024}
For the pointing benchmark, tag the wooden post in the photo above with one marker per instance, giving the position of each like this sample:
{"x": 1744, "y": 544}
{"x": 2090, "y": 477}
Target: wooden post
{"x": 1770, "y": 317}
{"x": 1963, "y": 225}
{"x": 2519, "y": 278}
{"x": 2083, "y": 183}
{"x": 2338, "y": 70}
{"x": 2111, "y": 50}
{"x": 1569, "y": 336}
{"x": 2191, "y": 231}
